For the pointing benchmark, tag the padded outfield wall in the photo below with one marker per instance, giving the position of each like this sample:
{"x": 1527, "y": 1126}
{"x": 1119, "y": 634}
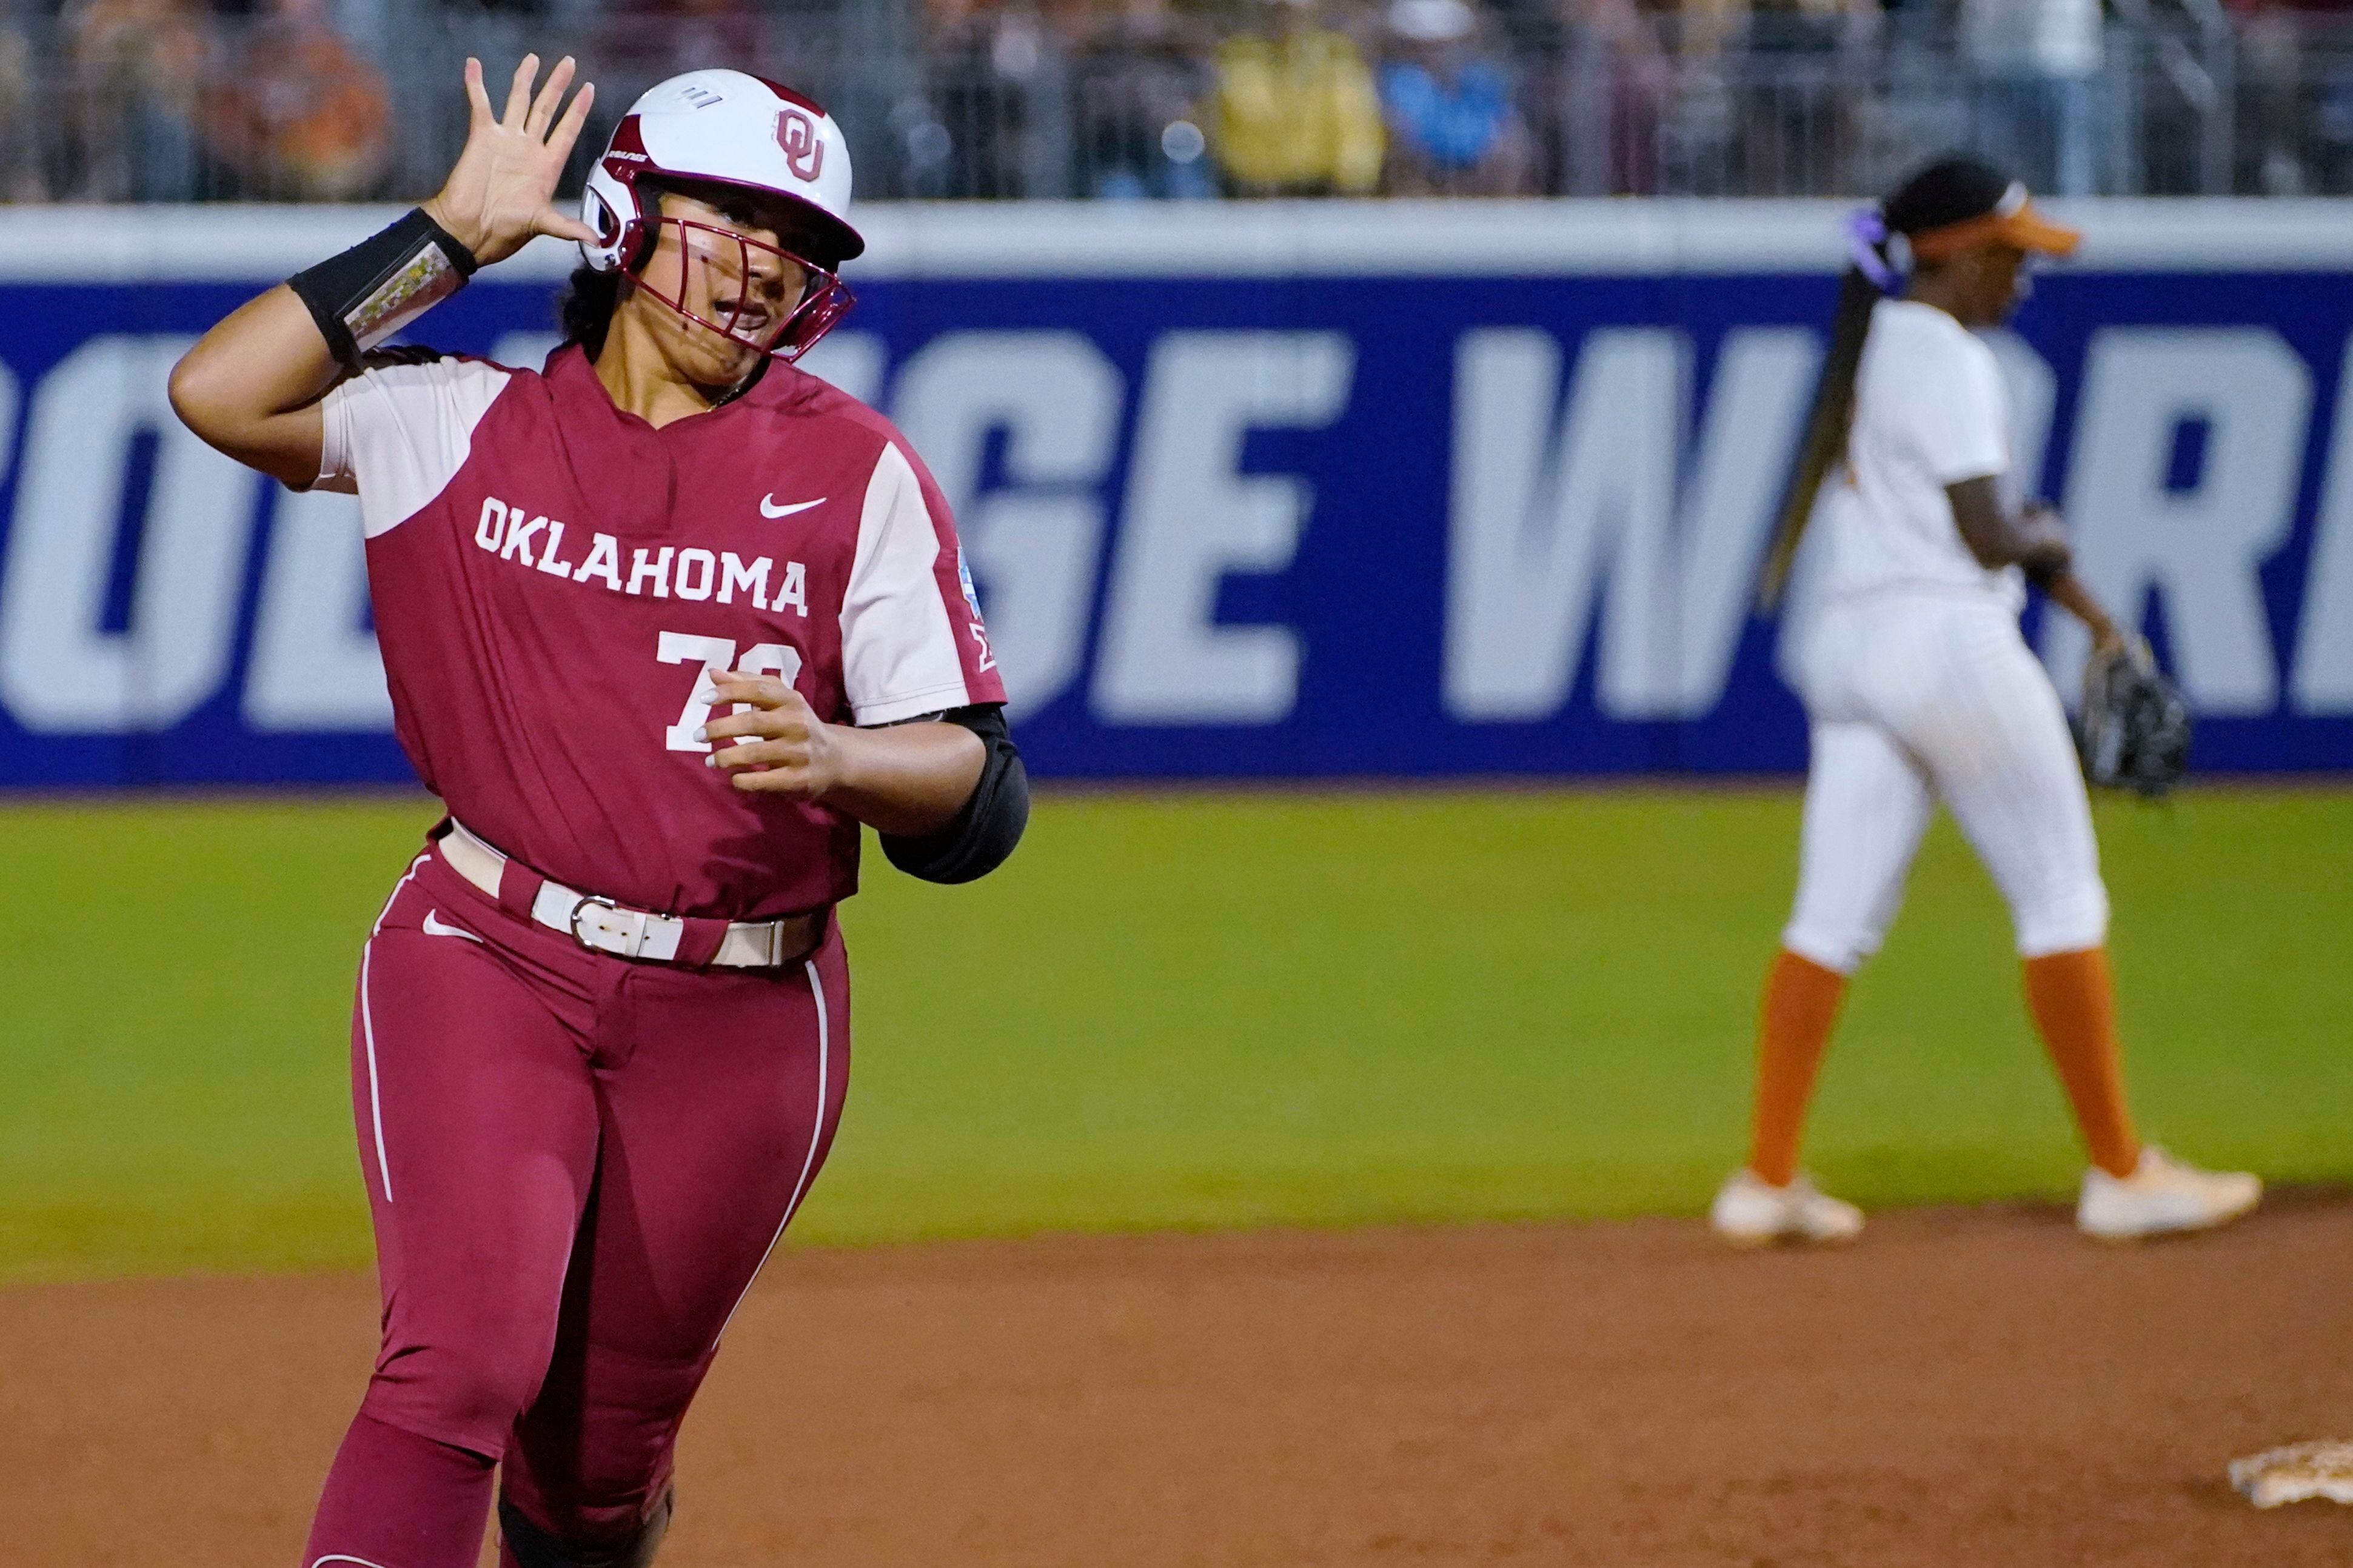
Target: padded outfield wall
{"x": 1254, "y": 491}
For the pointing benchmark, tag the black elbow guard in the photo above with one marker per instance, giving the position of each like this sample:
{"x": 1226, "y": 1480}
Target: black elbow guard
{"x": 984, "y": 832}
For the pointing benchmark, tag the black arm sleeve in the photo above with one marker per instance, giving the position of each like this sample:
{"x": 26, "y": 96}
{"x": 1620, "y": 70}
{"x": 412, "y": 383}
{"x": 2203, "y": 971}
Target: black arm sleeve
{"x": 377, "y": 287}
{"x": 984, "y": 832}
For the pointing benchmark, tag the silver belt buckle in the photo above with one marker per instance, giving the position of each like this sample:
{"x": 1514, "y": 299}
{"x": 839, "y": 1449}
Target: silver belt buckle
{"x": 618, "y": 930}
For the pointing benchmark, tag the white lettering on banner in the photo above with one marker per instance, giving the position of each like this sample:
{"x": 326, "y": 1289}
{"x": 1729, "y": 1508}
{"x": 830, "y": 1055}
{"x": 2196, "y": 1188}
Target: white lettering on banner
{"x": 2199, "y": 547}
{"x": 1701, "y": 601}
{"x": 7, "y": 418}
{"x": 1037, "y": 542}
{"x": 59, "y": 674}
{"x": 314, "y": 665}
{"x": 8, "y": 402}
{"x": 1537, "y": 520}
{"x": 1193, "y": 519}
{"x": 2323, "y": 681}
{"x": 1530, "y": 519}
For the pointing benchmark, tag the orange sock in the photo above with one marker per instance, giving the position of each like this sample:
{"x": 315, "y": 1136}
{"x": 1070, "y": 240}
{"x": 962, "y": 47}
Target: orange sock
{"x": 2074, "y": 1003}
{"x": 1801, "y": 1003}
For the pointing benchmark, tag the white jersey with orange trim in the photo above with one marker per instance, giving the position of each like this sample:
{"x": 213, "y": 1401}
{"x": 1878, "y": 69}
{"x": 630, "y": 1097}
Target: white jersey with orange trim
{"x": 1920, "y": 688}
{"x": 1930, "y": 411}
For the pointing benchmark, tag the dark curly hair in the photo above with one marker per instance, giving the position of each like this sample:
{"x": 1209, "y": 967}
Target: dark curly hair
{"x": 586, "y": 309}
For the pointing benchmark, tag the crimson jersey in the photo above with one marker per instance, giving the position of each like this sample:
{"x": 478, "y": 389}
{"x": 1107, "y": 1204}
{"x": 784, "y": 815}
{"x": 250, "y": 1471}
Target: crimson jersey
{"x": 554, "y": 579}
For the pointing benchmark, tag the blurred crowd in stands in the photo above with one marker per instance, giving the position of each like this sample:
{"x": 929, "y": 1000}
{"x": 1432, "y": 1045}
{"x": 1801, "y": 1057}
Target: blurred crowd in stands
{"x": 1185, "y": 100}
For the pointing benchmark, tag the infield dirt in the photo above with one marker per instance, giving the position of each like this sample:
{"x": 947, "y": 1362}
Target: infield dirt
{"x": 1965, "y": 1386}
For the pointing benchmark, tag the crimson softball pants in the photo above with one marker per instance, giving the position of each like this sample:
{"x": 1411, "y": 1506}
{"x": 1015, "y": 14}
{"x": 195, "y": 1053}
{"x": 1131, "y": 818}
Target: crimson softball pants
{"x": 575, "y": 1164}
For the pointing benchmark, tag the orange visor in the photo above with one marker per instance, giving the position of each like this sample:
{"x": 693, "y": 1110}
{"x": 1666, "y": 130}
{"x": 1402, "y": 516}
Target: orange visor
{"x": 2013, "y": 222}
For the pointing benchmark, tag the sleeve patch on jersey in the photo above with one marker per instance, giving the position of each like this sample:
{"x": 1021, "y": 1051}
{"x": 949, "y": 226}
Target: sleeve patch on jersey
{"x": 964, "y": 576}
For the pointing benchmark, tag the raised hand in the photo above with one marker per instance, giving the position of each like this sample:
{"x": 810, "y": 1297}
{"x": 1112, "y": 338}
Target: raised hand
{"x": 502, "y": 191}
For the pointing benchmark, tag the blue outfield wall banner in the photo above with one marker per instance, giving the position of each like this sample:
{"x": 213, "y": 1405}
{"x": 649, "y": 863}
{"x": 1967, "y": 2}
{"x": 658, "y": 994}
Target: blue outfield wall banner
{"x": 1254, "y": 491}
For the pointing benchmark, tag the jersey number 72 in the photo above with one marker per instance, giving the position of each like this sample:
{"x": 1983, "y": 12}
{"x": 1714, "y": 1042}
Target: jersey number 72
{"x": 715, "y": 654}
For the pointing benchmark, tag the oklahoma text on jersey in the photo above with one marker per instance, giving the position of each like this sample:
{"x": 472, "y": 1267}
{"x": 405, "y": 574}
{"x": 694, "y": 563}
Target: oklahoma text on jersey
{"x": 504, "y": 530}
{"x": 555, "y": 581}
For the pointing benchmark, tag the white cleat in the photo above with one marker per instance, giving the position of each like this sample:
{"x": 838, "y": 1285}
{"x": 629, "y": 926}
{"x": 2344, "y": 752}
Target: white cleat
{"x": 2162, "y": 1196}
{"x": 1748, "y": 1211}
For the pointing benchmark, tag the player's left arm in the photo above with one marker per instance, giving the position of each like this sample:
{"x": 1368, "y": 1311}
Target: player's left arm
{"x": 2067, "y": 591}
{"x": 2033, "y": 539}
{"x": 947, "y": 791}
{"x": 909, "y": 780}
{"x": 925, "y": 759}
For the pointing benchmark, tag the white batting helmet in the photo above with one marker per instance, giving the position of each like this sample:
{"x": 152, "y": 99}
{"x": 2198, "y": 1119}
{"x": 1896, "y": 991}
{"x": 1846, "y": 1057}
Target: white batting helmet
{"x": 728, "y": 128}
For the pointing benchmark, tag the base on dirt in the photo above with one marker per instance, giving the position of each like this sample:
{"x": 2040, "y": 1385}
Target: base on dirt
{"x": 2296, "y": 1473}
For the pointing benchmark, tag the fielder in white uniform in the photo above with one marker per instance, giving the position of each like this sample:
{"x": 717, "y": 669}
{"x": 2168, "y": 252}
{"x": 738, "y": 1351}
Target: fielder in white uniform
{"x": 1920, "y": 689}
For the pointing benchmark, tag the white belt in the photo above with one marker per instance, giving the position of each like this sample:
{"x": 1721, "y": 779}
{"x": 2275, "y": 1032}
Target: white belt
{"x": 603, "y": 926}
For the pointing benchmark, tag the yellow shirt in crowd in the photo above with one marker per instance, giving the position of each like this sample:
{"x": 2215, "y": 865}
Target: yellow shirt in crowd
{"x": 1297, "y": 113}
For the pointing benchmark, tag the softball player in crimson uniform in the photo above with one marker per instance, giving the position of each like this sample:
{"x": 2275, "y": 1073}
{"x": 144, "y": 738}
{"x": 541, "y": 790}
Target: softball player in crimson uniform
{"x": 1921, "y": 689}
{"x": 659, "y": 621}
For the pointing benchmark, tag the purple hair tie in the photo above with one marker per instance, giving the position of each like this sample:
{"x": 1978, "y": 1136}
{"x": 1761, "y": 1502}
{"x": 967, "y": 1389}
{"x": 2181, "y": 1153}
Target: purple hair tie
{"x": 1866, "y": 232}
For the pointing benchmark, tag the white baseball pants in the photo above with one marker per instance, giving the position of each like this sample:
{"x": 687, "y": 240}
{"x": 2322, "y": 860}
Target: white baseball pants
{"x": 1918, "y": 697}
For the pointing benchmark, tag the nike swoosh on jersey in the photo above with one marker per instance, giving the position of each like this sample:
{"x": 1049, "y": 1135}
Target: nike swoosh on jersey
{"x": 435, "y": 926}
{"x": 767, "y": 508}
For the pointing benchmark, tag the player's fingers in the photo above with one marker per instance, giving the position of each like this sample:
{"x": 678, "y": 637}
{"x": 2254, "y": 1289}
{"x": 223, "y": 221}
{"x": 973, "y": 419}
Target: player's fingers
{"x": 746, "y": 755}
{"x": 762, "y": 751}
{"x": 767, "y": 723}
{"x": 519, "y": 93}
{"x": 761, "y": 691}
{"x": 562, "y": 225}
{"x": 551, "y": 93}
{"x": 567, "y": 130}
{"x": 478, "y": 100}
{"x": 796, "y": 781}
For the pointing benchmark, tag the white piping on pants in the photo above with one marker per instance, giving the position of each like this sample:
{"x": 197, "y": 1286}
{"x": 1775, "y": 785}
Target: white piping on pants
{"x": 808, "y": 1161}
{"x": 375, "y": 1097}
{"x": 367, "y": 1033}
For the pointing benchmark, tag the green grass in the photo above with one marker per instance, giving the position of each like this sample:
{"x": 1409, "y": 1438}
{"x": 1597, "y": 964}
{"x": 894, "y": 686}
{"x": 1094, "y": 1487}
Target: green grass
{"x": 1203, "y": 1010}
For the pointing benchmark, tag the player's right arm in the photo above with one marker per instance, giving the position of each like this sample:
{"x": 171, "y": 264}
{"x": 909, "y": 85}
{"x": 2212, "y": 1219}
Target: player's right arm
{"x": 251, "y": 386}
{"x": 1998, "y": 536}
{"x": 2032, "y": 539}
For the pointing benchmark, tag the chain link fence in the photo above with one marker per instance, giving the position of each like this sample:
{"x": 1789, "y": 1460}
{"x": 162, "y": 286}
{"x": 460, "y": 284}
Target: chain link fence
{"x": 138, "y": 101}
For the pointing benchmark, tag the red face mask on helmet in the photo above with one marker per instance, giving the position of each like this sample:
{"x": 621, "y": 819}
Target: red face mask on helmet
{"x": 724, "y": 128}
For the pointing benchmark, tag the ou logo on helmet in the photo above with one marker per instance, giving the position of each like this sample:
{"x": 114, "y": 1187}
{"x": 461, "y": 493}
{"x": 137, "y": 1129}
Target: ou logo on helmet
{"x": 797, "y": 134}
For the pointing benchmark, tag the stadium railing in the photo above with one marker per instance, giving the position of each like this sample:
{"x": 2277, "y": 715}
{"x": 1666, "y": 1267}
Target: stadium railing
{"x": 153, "y": 105}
